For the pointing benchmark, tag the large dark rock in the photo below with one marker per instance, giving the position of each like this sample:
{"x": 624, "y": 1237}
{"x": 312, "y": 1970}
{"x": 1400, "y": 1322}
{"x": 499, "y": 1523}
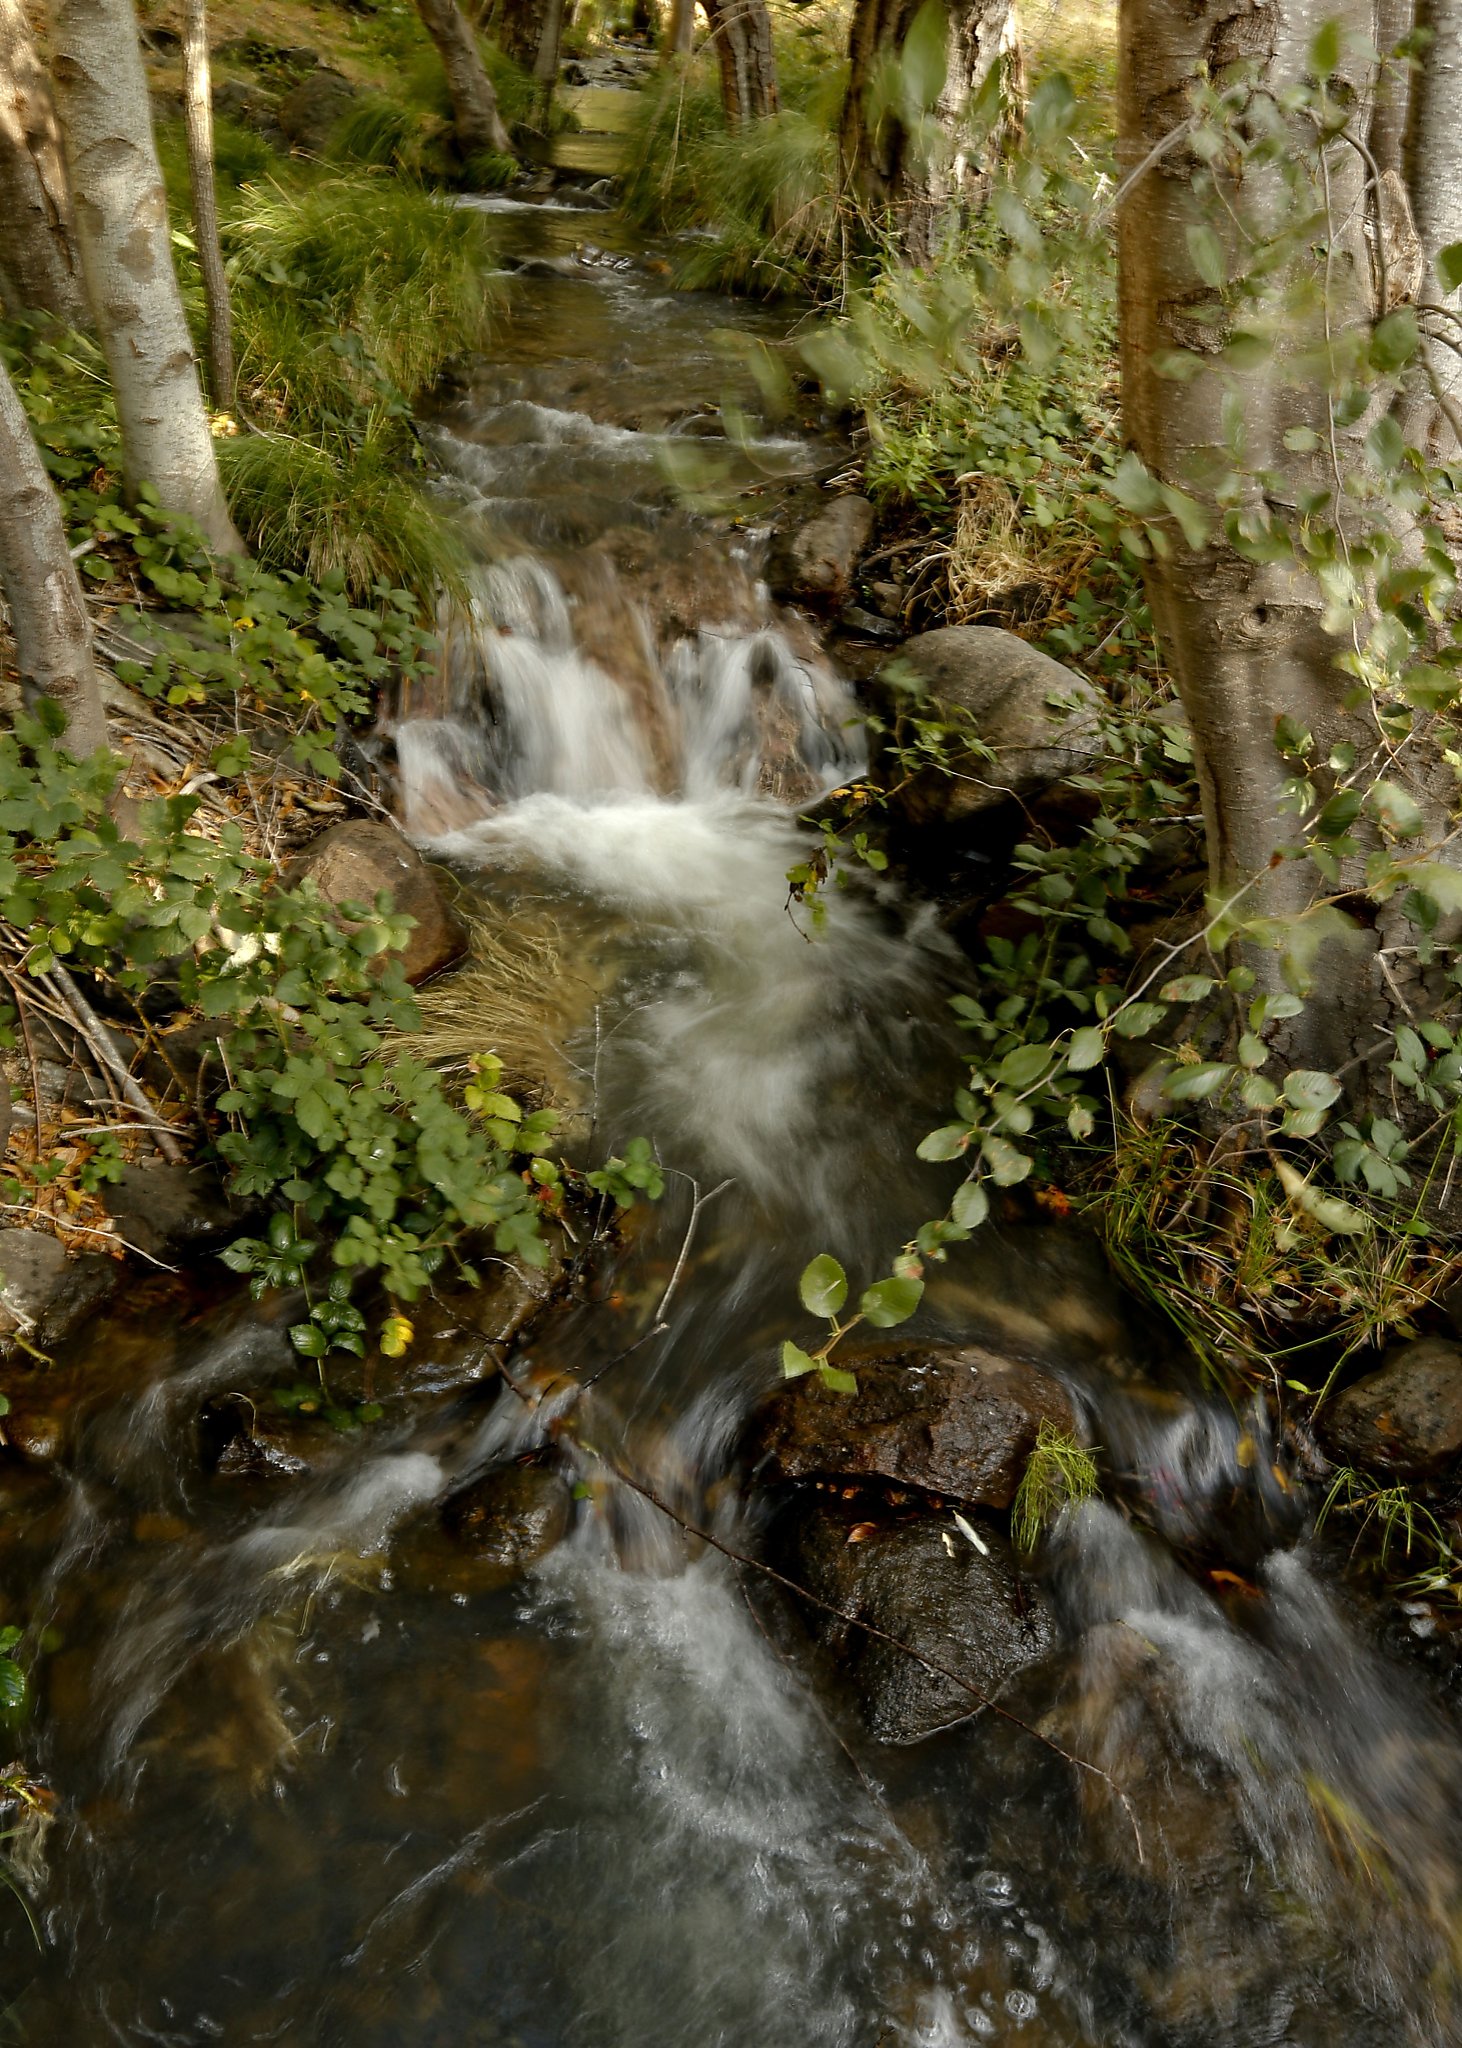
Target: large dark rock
{"x": 509, "y": 1520}
{"x": 1037, "y": 716}
{"x": 309, "y": 111}
{"x": 354, "y": 862}
{"x": 925, "y": 1584}
{"x": 235, "y": 100}
{"x": 161, "y": 1206}
{"x": 1405, "y": 1418}
{"x": 815, "y": 561}
{"x": 46, "y": 1293}
{"x": 960, "y": 1423}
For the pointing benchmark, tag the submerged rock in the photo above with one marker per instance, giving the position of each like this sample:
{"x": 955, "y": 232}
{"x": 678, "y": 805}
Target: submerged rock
{"x": 956, "y": 1422}
{"x": 815, "y": 561}
{"x": 354, "y": 862}
{"x": 1037, "y": 716}
{"x": 1406, "y": 1417}
{"x": 924, "y": 1583}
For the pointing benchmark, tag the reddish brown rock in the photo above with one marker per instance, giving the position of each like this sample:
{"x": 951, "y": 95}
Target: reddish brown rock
{"x": 353, "y": 862}
{"x": 957, "y": 1422}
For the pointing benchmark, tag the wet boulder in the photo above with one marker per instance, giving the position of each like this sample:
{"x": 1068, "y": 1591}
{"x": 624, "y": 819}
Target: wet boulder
{"x": 1406, "y": 1417}
{"x": 814, "y": 562}
{"x": 354, "y": 862}
{"x": 309, "y": 111}
{"x": 162, "y": 1205}
{"x": 46, "y": 1293}
{"x": 958, "y": 1605}
{"x": 506, "y": 1522}
{"x": 1038, "y": 718}
{"x": 960, "y": 1423}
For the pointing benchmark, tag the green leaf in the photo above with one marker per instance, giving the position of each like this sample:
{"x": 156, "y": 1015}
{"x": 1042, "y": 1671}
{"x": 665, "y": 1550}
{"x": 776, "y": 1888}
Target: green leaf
{"x": 1195, "y": 1084}
{"x": 1253, "y": 1052}
{"x": 1088, "y": 1046}
{"x": 796, "y": 1361}
{"x": 836, "y": 1380}
{"x": 1397, "y": 810}
{"x": 1007, "y": 1164}
{"x": 1135, "y": 1020}
{"x": 1026, "y": 1064}
{"x": 1339, "y": 814}
{"x": 1394, "y": 341}
{"x": 971, "y": 1205}
{"x": 823, "y": 1286}
{"x": 1386, "y": 444}
{"x": 948, "y": 1142}
{"x": 1188, "y": 988}
{"x": 1304, "y": 1088}
{"x": 924, "y": 61}
{"x": 1449, "y": 266}
{"x": 1206, "y": 252}
{"x": 14, "y": 1690}
{"x": 1325, "y": 49}
{"x": 890, "y": 1301}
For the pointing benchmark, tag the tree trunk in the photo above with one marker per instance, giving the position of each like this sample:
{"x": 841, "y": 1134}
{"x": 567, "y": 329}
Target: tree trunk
{"x": 909, "y": 164}
{"x": 1434, "y": 181}
{"x": 42, "y": 590}
{"x": 1245, "y": 640}
{"x": 518, "y": 28}
{"x": 198, "y": 107}
{"x": 545, "y": 61}
{"x": 1394, "y": 19}
{"x": 742, "y": 33}
{"x": 479, "y": 125}
{"x": 679, "y": 39}
{"x": 126, "y": 255}
{"x": 40, "y": 267}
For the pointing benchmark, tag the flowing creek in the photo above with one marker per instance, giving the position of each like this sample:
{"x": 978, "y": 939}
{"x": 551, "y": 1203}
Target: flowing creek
{"x": 322, "y": 1783}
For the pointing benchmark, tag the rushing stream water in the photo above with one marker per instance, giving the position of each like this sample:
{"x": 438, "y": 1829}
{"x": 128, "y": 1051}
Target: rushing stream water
{"x": 320, "y": 1786}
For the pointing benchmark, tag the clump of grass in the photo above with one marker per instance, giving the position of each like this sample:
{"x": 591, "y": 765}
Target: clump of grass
{"x": 375, "y": 258}
{"x": 518, "y": 995}
{"x": 764, "y": 197}
{"x": 1059, "y": 1473}
{"x": 338, "y": 505}
{"x": 381, "y": 133}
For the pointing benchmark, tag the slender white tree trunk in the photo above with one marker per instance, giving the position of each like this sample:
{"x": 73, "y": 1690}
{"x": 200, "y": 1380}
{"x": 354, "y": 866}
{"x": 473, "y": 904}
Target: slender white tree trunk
{"x": 126, "y": 253}
{"x": 40, "y": 268}
{"x": 1434, "y": 181}
{"x": 475, "y": 115}
{"x": 53, "y": 647}
{"x": 198, "y": 110}
{"x": 679, "y": 39}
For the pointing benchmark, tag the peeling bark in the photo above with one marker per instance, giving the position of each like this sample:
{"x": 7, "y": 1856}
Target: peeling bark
{"x": 741, "y": 31}
{"x": 48, "y": 619}
{"x": 126, "y": 255}
{"x": 475, "y": 116}
{"x": 198, "y": 110}
{"x": 914, "y": 176}
{"x": 40, "y": 267}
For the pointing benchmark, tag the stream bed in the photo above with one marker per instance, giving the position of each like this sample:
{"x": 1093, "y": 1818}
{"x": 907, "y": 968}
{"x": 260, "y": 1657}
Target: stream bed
{"x": 325, "y": 1781}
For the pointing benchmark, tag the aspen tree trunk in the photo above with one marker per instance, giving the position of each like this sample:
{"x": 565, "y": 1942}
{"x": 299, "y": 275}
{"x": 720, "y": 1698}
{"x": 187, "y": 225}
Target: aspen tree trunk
{"x": 679, "y": 39}
{"x": 40, "y": 267}
{"x": 1245, "y": 640}
{"x": 1433, "y": 167}
{"x": 479, "y": 125}
{"x": 741, "y": 31}
{"x": 913, "y": 171}
{"x": 126, "y": 255}
{"x": 48, "y": 620}
{"x": 198, "y": 108}
{"x": 545, "y": 61}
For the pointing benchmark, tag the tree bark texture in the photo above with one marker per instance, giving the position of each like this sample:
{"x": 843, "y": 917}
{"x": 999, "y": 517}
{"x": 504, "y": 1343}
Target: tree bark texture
{"x": 126, "y": 254}
{"x": 679, "y": 38}
{"x": 741, "y": 32}
{"x": 518, "y": 28}
{"x": 1387, "y": 139}
{"x": 1434, "y": 182}
{"x": 913, "y": 172}
{"x": 475, "y": 116}
{"x": 198, "y": 111}
{"x": 40, "y": 267}
{"x": 1246, "y": 641}
{"x": 48, "y": 620}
